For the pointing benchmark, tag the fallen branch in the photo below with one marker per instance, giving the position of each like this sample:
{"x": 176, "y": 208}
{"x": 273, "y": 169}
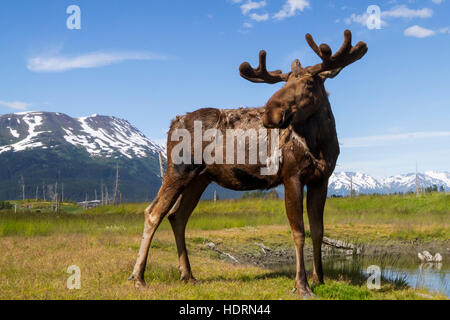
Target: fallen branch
{"x": 263, "y": 247}
{"x": 341, "y": 245}
{"x": 213, "y": 247}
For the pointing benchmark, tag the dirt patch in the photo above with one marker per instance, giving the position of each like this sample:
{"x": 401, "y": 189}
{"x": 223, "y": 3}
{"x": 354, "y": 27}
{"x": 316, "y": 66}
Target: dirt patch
{"x": 272, "y": 256}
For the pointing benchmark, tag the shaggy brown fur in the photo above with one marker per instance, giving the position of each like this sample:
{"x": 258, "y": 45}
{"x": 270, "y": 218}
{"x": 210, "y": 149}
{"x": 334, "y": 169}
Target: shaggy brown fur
{"x": 309, "y": 149}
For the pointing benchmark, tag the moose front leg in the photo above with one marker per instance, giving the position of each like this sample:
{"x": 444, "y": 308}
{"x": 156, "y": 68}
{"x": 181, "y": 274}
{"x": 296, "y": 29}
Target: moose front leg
{"x": 294, "y": 211}
{"x": 315, "y": 202}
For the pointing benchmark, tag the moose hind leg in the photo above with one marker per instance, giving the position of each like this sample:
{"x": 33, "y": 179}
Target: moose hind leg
{"x": 173, "y": 185}
{"x": 179, "y": 216}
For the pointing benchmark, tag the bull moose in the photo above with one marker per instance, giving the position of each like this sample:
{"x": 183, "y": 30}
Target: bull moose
{"x": 308, "y": 147}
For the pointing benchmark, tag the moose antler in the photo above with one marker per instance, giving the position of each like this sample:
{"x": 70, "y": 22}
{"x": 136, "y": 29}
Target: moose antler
{"x": 346, "y": 55}
{"x": 261, "y": 75}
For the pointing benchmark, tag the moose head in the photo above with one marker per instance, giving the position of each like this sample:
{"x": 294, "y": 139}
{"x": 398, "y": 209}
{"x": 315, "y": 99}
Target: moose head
{"x": 304, "y": 91}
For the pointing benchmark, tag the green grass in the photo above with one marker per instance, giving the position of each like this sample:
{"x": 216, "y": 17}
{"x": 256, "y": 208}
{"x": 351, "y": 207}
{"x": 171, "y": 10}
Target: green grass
{"x": 391, "y": 217}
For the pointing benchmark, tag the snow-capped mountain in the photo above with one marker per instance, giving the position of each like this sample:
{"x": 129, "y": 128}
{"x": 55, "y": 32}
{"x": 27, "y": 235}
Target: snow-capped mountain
{"x": 48, "y": 149}
{"x": 340, "y": 183}
{"x": 407, "y": 182}
{"x": 100, "y": 136}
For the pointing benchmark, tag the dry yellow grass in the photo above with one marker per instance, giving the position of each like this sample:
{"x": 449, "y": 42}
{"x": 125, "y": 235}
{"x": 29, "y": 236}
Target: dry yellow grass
{"x": 35, "y": 268}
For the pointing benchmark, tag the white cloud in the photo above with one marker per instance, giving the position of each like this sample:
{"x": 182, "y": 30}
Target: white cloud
{"x": 17, "y": 105}
{"x": 259, "y": 17}
{"x": 405, "y": 12}
{"x": 252, "y": 5}
{"x": 248, "y": 25}
{"x": 419, "y": 32}
{"x": 381, "y": 140}
{"x": 290, "y": 8}
{"x": 60, "y": 63}
{"x": 445, "y": 30}
{"x": 437, "y": 1}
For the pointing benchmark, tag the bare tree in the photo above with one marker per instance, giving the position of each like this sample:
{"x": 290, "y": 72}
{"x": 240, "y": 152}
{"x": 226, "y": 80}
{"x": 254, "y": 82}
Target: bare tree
{"x": 101, "y": 190}
{"x": 106, "y": 195}
{"x": 116, "y": 184}
{"x": 50, "y": 192}
{"x": 43, "y": 190}
{"x": 22, "y": 185}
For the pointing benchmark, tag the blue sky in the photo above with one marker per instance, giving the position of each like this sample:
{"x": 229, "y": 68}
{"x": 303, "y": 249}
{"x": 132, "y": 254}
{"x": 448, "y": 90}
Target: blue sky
{"x": 147, "y": 61}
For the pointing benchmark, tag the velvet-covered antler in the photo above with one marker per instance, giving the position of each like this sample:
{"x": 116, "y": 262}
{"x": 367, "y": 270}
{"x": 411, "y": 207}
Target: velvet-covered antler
{"x": 346, "y": 55}
{"x": 261, "y": 75}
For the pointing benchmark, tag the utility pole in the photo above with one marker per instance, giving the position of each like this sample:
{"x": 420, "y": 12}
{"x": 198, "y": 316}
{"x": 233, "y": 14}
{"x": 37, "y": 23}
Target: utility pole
{"x": 62, "y": 192}
{"x": 215, "y": 196}
{"x": 95, "y": 194}
{"x": 37, "y": 190}
{"x": 43, "y": 190}
{"x": 117, "y": 184}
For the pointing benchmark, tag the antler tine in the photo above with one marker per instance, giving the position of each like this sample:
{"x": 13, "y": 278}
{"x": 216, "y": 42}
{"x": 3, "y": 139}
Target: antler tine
{"x": 346, "y": 55}
{"x": 347, "y": 45}
{"x": 324, "y": 51}
{"x": 260, "y": 74}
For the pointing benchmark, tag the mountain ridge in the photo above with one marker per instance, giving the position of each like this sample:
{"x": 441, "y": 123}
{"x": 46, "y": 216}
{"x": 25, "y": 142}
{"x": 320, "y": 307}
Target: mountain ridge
{"x": 341, "y": 182}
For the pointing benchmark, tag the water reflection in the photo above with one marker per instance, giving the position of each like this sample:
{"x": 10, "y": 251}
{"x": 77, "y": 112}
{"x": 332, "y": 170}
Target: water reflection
{"x": 399, "y": 270}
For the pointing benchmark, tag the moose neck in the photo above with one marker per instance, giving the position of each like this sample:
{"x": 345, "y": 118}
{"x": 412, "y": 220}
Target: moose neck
{"x": 319, "y": 132}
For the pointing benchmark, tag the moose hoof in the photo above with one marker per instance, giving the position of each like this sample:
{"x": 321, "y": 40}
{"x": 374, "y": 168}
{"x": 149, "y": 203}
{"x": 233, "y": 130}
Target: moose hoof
{"x": 317, "y": 282}
{"x": 305, "y": 293}
{"x": 139, "y": 283}
{"x": 188, "y": 279}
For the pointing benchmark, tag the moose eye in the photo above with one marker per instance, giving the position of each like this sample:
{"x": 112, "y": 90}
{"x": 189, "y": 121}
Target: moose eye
{"x": 309, "y": 83}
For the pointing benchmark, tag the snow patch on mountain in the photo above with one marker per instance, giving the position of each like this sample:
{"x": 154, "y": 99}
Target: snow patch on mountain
{"x": 100, "y": 136}
{"x": 33, "y": 120}
{"x": 14, "y": 133}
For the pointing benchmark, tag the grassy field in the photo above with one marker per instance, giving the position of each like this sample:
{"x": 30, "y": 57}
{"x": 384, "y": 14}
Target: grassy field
{"x": 37, "y": 248}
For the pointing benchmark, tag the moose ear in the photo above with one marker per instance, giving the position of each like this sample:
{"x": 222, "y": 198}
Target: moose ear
{"x": 330, "y": 74}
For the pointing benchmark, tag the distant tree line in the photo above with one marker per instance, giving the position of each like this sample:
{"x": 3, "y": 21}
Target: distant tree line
{"x": 431, "y": 189}
{"x": 5, "y": 205}
{"x": 260, "y": 194}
